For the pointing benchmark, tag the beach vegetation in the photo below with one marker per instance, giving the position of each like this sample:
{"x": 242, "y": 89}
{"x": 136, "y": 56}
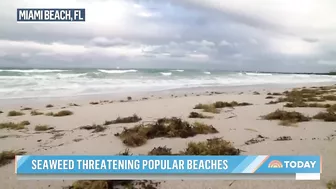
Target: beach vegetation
{"x": 161, "y": 151}
{"x": 283, "y": 138}
{"x": 304, "y": 104}
{"x": 164, "y": 127}
{"x": 329, "y": 97}
{"x": 35, "y": 113}
{"x": 6, "y": 157}
{"x": 1, "y": 112}
{"x": 272, "y": 102}
{"x": 26, "y": 108}
{"x": 49, "y": 106}
{"x": 63, "y": 113}
{"x": 326, "y": 116}
{"x": 214, "y": 107}
{"x": 256, "y": 93}
{"x": 332, "y": 108}
{"x": 269, "y": 97}
{"x": 199, "y": 115}
{"x": 12, "y": 125}
{"x": 331, "y": 184}
{"x": 15, "y": 113}
{"x": 95, "y": 128}
{"x": 25, "y": 122}
{"x": 213, "y": 146}
{"x": 286, "y": 117}
{"x": 130, "y": 119}
{"x": 43, "y": 128}
{"x": 94, "y": 103}
{"x": 73, "y": 104}
{"x": 129, "y": 98}
{"x": 256, "y": 140}
{"x": 49, "y": 114}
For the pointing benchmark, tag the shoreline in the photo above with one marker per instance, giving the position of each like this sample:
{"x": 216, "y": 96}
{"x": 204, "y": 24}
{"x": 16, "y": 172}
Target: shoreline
{"x": 241, "y": 125}
{"x": 7, "y": 102}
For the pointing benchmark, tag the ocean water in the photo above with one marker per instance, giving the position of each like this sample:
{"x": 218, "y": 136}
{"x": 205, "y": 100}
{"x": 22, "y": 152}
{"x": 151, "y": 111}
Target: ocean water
{"x": 32, "y": 83}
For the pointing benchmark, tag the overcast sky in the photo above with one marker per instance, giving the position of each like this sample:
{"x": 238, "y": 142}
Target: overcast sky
{"x": 266, "y": 35}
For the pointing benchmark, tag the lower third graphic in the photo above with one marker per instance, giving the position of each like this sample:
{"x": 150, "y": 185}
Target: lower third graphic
{"x": 275, "y": 164}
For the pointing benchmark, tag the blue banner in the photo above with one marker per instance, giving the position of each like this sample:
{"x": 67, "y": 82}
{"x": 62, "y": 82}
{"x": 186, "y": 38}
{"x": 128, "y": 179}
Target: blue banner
{"x": 75, "y": 164}
{"x": 50, "y": 15}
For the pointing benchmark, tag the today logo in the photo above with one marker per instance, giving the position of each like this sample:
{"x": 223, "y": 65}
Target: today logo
{"x": 292, "y": 164}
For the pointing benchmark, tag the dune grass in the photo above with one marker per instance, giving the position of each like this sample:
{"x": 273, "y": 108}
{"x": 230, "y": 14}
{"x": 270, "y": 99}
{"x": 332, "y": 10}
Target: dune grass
{"x": 130, "y": 119}
{"x": 6, "y": 157}
{"x": 286, "y": 118}
{"x": 35, "y": 113}
{"x": 15, "y": 113}
{"x": 199, "y": 115}
{"x": 164, "y": 127}
{"x": 43, "y": 128}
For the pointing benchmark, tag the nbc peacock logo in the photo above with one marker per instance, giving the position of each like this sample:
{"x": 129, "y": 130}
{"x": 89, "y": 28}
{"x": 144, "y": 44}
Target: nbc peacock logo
{"x": 275, "y": 164}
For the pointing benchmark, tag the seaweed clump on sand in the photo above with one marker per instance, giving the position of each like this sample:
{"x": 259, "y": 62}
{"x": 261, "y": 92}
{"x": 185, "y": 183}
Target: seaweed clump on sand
{"x": 199, "y": 115}
{"x": 328, "y": 116}
{"x": 213, "y": 146}
{"x": 286, "y": 118}
{"x": 111, "y": 184}
{"x": 215, "y": 107}
{"x": 7, "y": 157}
{"x": 130, "y": 119}
{"x": 164, "y": 127}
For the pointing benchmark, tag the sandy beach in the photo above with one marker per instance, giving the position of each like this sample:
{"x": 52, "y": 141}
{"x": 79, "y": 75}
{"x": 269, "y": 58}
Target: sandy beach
{"x": 237, "y": 125}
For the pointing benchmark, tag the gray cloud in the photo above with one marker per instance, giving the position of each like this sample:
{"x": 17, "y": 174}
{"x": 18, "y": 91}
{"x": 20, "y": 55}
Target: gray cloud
{"x": 181, "y": 34}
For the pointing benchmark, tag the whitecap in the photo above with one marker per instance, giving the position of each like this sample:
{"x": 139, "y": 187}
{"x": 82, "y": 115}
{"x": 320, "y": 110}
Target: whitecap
{"x": 258, "y": 74}
{"x": 166, "y": 73}
{"x": 208, "y": 73}
{"x": 34, "y": 71}
{"x": 177, "y": 70}
{"x": 118, "y": 71}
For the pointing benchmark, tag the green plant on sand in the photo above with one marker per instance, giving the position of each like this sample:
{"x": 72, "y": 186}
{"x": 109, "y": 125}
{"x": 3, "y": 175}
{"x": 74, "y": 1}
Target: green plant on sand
{"x": 164, "y": 127}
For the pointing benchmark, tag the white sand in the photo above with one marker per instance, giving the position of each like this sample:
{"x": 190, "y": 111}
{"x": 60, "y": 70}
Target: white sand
{"x": 244, "y": 126}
